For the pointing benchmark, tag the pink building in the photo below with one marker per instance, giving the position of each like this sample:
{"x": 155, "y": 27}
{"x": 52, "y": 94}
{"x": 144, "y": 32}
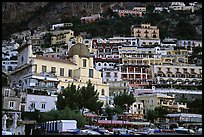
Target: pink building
{"x": 123, "y": 13}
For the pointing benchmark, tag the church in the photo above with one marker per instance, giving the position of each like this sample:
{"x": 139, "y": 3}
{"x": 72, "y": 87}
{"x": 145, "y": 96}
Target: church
{"x": 52, "y": 75}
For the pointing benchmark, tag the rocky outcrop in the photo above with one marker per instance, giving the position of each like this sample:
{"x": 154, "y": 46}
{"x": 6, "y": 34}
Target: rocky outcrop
{"x": 37, "y": 13}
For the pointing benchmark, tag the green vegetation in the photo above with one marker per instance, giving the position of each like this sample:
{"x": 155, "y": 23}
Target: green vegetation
{"x": 124, "y": 100}
{"x": 174, "y": 24}
{"x": 158, "y": 112}
{"x": 195, "y": 105}
{"x": 67, "y": 113}
{"x": 80, "y": 98}
{"x": 4, "y": 79}
{"x": 9, "y": 28}
{"x": 110, "y": 112}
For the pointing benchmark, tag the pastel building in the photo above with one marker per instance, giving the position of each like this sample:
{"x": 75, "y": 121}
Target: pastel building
{"x": 91, "y": 18}
{"x": 189, "y": 43}
{"x": 145, "y": 31}
{"x": 123, "y": 13}
{"x": 61, "y": 36}
{"x": 140, "y": 9}
{"x": 151, "y": 101}
{"x": 177, "y": 74}
{"x": 40, "y": 102}
{"x": 136, "y": 110}
{"x": 53, "y": 74}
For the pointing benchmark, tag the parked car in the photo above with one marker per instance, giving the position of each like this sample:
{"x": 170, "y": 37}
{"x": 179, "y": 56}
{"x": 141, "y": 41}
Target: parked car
{"x": 184, "y": 130}
{"x": 90, "y": 132}
{"x": 199, "y": 130}
{"x": 6, "y": 133}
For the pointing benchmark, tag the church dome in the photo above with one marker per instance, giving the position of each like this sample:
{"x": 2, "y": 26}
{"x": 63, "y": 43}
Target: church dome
{"x": 79, "y": 49}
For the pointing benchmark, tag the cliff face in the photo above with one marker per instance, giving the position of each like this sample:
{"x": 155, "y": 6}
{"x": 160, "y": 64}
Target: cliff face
{"x": 37, "y": 13}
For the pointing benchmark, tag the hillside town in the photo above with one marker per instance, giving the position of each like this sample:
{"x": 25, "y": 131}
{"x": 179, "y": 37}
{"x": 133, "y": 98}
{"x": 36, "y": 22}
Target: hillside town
{"x": 163, "y": 77}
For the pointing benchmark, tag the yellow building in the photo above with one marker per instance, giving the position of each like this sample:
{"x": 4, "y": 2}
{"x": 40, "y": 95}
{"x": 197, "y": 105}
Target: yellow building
{"x": 151, "y": 101}
{"x": 178, "y": 56}
{"x": 54, "y": 74}
{"x": 61, "y": 36}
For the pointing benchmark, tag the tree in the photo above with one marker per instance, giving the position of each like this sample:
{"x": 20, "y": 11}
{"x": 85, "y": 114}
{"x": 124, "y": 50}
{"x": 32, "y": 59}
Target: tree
{"x": 158, "y": 112}
{"x": 124, "y": 100}
{"x": 4, "y": 79}
{"x": 82, "y": 98}
{"x": 47, "y": 38}
{"x": 89, "y": 98}
{"x": 152, "y": 115}
{"x": 150, "y": 8}
{"x": 72, "y": 97}
{"x": 60, "y": 102}
{"x": 109, "y": 112}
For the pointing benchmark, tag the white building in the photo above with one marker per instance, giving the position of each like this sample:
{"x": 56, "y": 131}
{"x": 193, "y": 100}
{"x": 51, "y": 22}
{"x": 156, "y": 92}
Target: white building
{"x": 160, "y": 9}
{"x": 185, "y": 117}
{"x": 126, "y": 41}
{"x": 169, "y": 42}
{"x": 109, "y": 68}
{"x": 9, "y": 55}
{"x": 191, "y": 43}
{"x": 137, "y": 108}
{"x": 60, "y": 25}
{"x": 140, "y": 9}
{"x": 40, "y": 102}
{"x": 149, "y": 42}
{"x": 182, "y": 6}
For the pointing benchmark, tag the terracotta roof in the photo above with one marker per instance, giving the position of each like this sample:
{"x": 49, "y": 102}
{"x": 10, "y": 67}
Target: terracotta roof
{"x": 54, "y": 59}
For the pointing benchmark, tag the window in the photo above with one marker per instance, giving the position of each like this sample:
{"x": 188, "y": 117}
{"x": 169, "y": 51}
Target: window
{"x": 115, "y": 74}
{"x": 61, "y": 71}
{"x": 102, "y": 92}
{"x": 11, "y": 104}
{"x": 62, "y": 88}
{"x": 44, "y": 68}
{"x": 135, "y": 106}
{"x": 53, "y": 69}
{"x": 99, "y": 64}
{"x": 70, "y": 73}
{"x": 32, "y": 105}
{"x": 91, "y": 73}
{"x": 35, "y": 68}
{"x": 43, "y": 106}
{"x": 168, "y": 69}
{"x": 138, "y": 106}
{"x": 107, "y": 74}
{"x": 84, "y": 62}
{"x": 6, "y": 92}
{"x": 105, "y": 64}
